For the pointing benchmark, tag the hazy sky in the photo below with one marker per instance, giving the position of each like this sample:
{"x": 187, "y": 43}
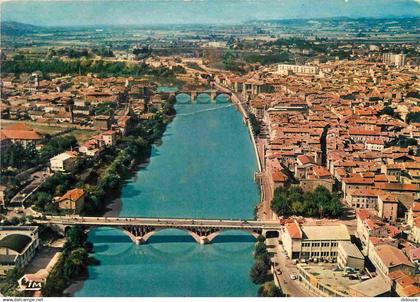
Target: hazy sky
{"x": 94, "y": 12}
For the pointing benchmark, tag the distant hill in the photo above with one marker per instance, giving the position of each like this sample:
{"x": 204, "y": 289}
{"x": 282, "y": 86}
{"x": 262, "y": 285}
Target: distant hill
{"x": 11, "y": 28}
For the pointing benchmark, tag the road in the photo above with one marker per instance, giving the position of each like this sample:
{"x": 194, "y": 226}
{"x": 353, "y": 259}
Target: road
{"x": 292, "y": 288}
{"x": 162, "y": 222}
{"x": 37, "y": 179}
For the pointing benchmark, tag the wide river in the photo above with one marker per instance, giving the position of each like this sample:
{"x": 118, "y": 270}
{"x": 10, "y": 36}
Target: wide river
{"x": 203, "y": 169}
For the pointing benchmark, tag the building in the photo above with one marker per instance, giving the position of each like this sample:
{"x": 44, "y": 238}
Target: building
{"x": 397, "y": 60}
{"x": 109, "y": 137}
{"x": 313, "y": 241}
{"x": 18, "y": 245}
{"x": 350, "y": 256}
{"x": 375, "y": 287}
{"x": 72, "y": 200}
{"x": 387, "y": 259}
{"x": 404, "y": 285}
{"x": 362, "y": 198}
{"x": 63, "y": 162}
{"x": 387, "y": 206}
{"x": 286, "y": 69}
{"x": 20, "y": 133}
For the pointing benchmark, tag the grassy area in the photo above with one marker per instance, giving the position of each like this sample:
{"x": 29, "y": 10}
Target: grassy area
{"x": 42, "y": 129}
{"x": 81, "y": 135}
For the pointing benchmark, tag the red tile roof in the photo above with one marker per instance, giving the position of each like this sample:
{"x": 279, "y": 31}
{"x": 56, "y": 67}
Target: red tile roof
{"x": 20, "y": 132}
{"x": 392, "y": 256}
{"x": 294, "y": 230}
{"x": 74, "y": 194}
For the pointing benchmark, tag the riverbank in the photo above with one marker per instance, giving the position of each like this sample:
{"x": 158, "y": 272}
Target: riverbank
{"x": 263, "y": 210}
{"x": 133, "y": 154}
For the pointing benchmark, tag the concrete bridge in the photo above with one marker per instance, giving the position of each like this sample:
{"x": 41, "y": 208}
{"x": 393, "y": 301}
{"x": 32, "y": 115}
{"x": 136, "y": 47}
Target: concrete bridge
{"x": 213, "y": 94}
{"x": 141, "y": 229}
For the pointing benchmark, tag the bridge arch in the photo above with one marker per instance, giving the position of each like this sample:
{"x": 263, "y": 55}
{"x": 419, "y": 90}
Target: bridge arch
{"x": 195, "y": 236}
{"x": 183, "y": 98}
{"x": 140, "y": 235}
{"x": 222, "y": 98}
{"x": 253, "y": 233}
{"x": 203, "y": 98}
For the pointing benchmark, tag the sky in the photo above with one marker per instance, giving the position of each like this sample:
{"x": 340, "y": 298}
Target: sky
{"x": 141, "y": 12}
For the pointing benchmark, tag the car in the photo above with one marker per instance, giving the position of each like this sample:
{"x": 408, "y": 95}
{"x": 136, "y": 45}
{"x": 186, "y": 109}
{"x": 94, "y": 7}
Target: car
{"x": 279, "y": 272}
{"x": 293, "y": 277}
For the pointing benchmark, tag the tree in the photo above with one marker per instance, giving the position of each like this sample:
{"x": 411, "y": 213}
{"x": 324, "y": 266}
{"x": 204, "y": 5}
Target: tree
{"x": 76, "y": 237}
{"x": 260, "y": 238}
{"x": 260, "y": 248}
{"x": 280, "y": 203}
{"x": 389, "y": 111}
{"x": 413, "y": 117}
{"x": 254, "y": 124}
{"x": 57, "y": 145}
{"x": 269, "y": 289}
{"x": 259, "y": 272}
{"x": 41, "y": 199}
{"x": 75, "y": 264}
{"x": 293, "y": 201}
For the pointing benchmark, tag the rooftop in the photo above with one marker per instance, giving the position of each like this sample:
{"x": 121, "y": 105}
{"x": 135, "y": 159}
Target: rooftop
{"x": 325, "y": 232}
{"x": 371, "y": 288}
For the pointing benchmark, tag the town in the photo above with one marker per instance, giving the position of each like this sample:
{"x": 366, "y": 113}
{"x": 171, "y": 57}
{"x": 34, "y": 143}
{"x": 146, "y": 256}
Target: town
{"x": 334, "y": 124}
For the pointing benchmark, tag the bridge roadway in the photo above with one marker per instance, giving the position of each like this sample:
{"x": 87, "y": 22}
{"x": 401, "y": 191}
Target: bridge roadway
{"x": 141, "y": 229}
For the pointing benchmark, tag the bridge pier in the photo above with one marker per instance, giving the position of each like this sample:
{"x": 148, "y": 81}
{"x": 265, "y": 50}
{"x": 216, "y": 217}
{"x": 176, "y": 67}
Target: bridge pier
{"x": 204, "y": 240}
{"x": 213, "y": 96}
{"x": 193, "y": 96}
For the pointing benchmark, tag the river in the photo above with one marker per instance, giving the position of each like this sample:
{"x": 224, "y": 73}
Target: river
{"x": 203, "y": 169}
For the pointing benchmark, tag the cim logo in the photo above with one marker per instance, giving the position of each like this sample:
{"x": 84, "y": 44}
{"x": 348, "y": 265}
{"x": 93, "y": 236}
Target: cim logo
{"x": 26, "y": 283}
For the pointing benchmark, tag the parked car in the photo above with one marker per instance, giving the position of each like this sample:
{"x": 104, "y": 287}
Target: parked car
{"x": 293, "y": 277}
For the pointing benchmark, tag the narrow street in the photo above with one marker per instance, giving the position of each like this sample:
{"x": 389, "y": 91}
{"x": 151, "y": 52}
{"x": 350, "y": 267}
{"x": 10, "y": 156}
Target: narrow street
{"x": 37, "y": 178}
{"x": 291, "y": 288}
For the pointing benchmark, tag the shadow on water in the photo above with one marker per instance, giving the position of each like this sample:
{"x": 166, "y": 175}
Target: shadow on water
{"x": 170, "y": 239}
{"x": 111, "y": 239}
{"x": 132, "y": 190}
{"x": 233, "y": 239}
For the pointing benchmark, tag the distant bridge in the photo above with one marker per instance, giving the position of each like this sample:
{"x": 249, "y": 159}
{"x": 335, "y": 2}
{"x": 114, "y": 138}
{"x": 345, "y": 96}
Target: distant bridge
{"x": 141, "y": 229}
{"x": 193, "y": 94}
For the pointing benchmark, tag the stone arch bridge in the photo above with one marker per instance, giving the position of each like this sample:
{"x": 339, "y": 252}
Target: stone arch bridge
{"x": 141, "y": 229}
{"x": 193, "y": 94}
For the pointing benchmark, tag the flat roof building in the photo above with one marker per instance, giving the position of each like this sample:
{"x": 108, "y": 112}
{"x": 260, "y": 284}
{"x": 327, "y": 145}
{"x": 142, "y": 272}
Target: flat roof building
{"x": 313, "y": 241}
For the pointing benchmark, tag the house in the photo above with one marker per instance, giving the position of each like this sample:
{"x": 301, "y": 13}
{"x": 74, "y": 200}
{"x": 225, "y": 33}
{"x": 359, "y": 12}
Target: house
{"x": 72, "y": 200}
{"x": 371, "y": 230}
{"x": 20, "y": 133}
{"x": 356, "y": 183}
{"x": 388, "y": 258}
{"x": 109, "y": 137}
{"x": 18, "y": 245}
{"x": 90, "y": 148}
{"x": 362, "y": 198}
{"x": 404, "y": 285}
{"x": 63, "y": 162}
{"x": 387, "y": 206}
{"x": 102, "y": 122}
